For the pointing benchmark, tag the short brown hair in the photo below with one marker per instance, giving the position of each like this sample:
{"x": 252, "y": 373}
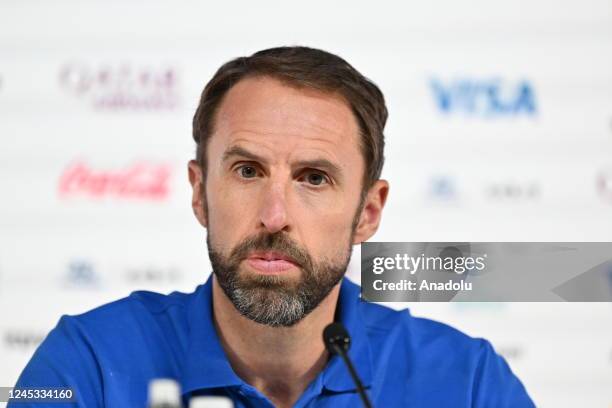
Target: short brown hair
{"x": 302, "y": 67}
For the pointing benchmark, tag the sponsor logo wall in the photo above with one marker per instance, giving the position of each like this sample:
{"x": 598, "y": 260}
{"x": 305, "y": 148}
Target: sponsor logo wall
{"x": 499, "y": 130}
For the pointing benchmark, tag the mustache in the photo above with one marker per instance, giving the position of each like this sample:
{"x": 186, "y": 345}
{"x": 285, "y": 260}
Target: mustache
{"x": 278, "y": 242}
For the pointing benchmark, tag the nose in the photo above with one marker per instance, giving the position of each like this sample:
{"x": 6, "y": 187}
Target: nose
{"x": 273, "y": 214}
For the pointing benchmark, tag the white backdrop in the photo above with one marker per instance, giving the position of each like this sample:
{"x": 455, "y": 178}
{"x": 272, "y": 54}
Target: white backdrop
{"x": 500, "y": 129}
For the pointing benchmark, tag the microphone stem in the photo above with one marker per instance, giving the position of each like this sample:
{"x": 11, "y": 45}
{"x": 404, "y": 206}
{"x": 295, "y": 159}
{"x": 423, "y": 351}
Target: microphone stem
{"x": 360, "y": 387}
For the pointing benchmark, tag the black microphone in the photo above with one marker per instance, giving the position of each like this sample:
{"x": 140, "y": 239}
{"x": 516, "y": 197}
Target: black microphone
{"x": 338, "y": 341}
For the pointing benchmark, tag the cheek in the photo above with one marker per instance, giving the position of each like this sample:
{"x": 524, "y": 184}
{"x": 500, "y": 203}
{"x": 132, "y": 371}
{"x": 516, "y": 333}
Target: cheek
{"x": 227, "y": 216}
{"x": 329, "y": 230}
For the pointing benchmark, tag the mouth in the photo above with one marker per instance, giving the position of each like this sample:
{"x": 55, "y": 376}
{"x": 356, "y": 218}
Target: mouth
{"x": 271, "y": 262}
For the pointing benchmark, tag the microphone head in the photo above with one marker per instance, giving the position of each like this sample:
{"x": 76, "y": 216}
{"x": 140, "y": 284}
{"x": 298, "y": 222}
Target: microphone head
{"x": 335, "y": 334}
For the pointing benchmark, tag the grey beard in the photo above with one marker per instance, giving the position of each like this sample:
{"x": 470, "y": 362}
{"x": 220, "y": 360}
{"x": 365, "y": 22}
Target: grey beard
{"x": 270, "y": 299}
{"x": 283, "y": 311}
{"x": 272, "y": 307}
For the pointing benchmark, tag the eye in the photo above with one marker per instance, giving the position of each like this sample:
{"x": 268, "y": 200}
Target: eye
{"x": 247, "y": 171}
{"x": 316, "y": 178}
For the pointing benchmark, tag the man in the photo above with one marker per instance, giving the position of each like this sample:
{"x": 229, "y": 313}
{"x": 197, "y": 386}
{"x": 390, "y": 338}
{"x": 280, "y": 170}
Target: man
{"x": 286, "y": 180}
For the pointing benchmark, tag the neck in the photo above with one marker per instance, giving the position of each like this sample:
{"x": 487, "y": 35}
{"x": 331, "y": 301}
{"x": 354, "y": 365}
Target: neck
{"x": 278, "y": 361}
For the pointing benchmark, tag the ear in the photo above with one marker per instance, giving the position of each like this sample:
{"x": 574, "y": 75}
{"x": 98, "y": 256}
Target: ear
{"x": 198, "y": 197}
{"x": 372, "y": 211}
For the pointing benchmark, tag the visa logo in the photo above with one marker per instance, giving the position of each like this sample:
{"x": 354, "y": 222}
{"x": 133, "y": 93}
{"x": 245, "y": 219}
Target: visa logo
{"x": 484, "y": 98}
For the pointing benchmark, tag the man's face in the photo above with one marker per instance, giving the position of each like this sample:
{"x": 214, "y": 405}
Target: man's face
{"x": 282, "y": 197}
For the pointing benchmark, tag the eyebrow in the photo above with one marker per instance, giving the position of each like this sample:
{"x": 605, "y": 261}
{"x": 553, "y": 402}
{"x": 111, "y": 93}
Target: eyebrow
{"x": 242, "y": 152}
{"x": 320, "y": 163}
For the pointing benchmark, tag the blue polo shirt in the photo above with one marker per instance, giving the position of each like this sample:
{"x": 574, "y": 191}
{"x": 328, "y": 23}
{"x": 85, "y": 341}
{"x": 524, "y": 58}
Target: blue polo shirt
{"x": 109, "y": 355}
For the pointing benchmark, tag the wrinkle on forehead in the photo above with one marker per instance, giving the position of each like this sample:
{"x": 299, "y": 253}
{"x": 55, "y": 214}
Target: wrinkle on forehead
{"x": 281, "y": 110}
{"x": 269, "y": 140}
{"x": 271, "y": 151}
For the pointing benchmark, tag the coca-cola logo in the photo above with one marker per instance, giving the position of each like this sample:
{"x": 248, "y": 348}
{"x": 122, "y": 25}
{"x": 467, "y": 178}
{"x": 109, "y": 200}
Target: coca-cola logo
{"x": 141, "y": 180}
{"x": 122, "y": 86}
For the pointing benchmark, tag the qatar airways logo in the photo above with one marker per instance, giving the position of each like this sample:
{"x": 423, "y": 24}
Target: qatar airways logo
{"x": 122, "y": 86}
{"x": 141, "y": 180}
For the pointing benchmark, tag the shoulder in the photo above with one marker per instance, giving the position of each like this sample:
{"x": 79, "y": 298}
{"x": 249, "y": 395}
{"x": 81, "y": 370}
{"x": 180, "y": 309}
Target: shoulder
{"x": 95, "y": 352}
{"x": 132, "y": 320}
{"x": 141, "y": 301}
{"x": 431, "y": 338}
{"x": 137, "y": 306}
{"x": 438, "y": 352}
{"x": 120, "y": 327}
{"x": 424, "y": 340}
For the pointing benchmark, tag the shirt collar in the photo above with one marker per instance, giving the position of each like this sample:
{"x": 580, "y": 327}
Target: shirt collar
{"x": 206, "y": 364}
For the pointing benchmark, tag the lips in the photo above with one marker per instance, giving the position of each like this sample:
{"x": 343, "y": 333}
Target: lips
{"x": 271, "y": 262}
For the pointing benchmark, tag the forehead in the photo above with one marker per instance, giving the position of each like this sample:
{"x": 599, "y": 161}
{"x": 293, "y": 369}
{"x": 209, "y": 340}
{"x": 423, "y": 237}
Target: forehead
{"x": 268, "y": 112}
